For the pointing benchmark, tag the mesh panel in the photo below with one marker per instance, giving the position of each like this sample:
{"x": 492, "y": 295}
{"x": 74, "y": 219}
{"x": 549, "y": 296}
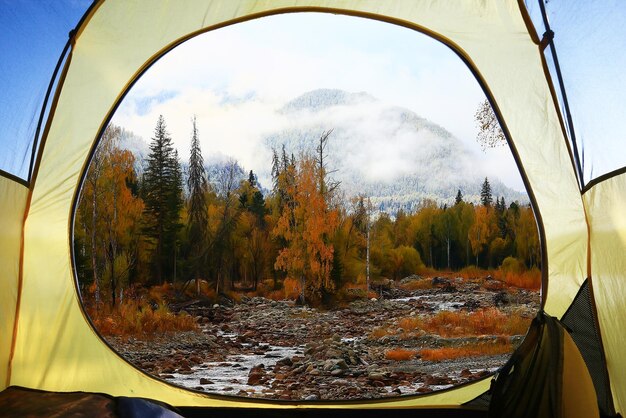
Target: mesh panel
{"x": 580, "y": 321}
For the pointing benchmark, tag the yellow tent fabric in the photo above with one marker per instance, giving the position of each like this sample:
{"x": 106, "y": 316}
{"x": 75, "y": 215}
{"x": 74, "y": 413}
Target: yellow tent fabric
{"x": 12, "y": 205}
{"x": 55, "y": 347}
{"x": 605, "y": 203}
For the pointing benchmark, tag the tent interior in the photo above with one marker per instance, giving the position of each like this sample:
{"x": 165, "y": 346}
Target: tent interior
{"x": 552, "y": 71}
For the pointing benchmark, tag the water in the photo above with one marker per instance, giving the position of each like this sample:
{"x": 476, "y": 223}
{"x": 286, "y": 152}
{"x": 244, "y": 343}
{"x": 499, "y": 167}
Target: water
{"x": 231, "y": 376}
{"x": 436, "y": 305}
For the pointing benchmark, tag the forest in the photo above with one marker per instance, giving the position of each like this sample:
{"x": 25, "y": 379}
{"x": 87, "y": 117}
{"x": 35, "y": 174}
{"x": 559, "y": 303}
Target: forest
{"x": 301, "y": 238}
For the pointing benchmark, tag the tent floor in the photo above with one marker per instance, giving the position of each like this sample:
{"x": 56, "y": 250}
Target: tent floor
{"x": 22, "y": 402}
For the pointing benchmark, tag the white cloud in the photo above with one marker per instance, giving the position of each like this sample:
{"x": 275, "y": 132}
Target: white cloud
{"x": 234, "y": 79}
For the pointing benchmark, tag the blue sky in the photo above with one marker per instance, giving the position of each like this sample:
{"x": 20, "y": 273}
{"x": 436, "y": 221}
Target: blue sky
{"x": 32, "y": 36}
{"x": 250, "y": 60}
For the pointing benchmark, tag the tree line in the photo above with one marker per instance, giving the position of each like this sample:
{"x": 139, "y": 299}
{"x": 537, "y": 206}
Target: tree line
{"x": 166, "y": 226}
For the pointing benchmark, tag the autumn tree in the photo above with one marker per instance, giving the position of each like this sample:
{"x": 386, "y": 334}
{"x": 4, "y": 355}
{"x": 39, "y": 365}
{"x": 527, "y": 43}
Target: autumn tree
{"x": 109, "y": 213}
{"x": 162, "y": 194}
{"x": 307, "y": 225}
{"x": 221, "y": 245}
{"x": 425, "y": 237}
{"x": 197, "y": 223}
{"x": 446, "y": 228}
{"x": 465, "y": 215}
{"x": 89, "y": 207}
{"x": 251, "y": 198}
{"x": 490, "y": 133}
{"x": 527, "y": 238}
{"x": 480, "y": 231}
{"x": 121, "y": 212}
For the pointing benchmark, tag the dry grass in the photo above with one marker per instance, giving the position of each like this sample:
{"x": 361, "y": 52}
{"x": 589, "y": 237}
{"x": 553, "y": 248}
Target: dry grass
{"x": 472, "y": 273}
{"x": 529, "y": 279}
{"x": 489, "y": 321}
{"x": 400, "y": 354}
{"x": 421, "y": 284}
{"x": 410, "y": 323}
{"x": 138, "y": 319}
{"x": 378, "y": 332}
{"x": 470, "y": 350}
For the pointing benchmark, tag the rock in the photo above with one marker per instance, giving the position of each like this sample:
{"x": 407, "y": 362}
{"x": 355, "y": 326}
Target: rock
{"x": 312, "y": 397}
{"x": 256, "y": 375}
{"x": 375, "y": 376}
{"x": 285, "y": 361}
{"x": 336, "y": 372}
{"x": 501, "y": 299}
{"x": 437, "y": 380}
{"x": 205, "y": 381}
{"x": 255, "y": 378}
{"x": 440, "y": 282}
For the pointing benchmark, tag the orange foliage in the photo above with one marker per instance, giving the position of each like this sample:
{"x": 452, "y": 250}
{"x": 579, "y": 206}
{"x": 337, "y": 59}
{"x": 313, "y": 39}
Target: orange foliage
{"x": 291, "y": 288}
{"x": 472, "y": 272}
{"x": 137, "y": 319}
{"x": 400, "y": 354}
{"x": 410, "y": 323}
{"x": 470, "y": 350}
{"x": 530, "y": 279}
{"x": 157, "y": 293}
{"x": 305, "y": 225}
{"x": 489, "y": 321}
{"x": 378, "y": 332}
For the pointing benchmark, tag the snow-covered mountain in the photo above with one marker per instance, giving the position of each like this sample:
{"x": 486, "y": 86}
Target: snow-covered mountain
{"x": 388, "y": 153}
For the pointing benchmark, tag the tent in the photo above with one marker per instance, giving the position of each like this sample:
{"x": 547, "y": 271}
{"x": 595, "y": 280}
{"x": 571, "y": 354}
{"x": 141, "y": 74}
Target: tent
{"x": 578, "y": 197}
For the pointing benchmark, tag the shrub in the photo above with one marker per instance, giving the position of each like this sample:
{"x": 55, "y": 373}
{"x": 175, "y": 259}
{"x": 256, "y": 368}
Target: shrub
{"x": 472, "y": 272}
{"x": 512, "y": 265}
{"x": 530, "y": 279}
{"x": 400, "y": 354}
{"x": 378, "y": 332}
{"x": 420, "y": 284}
{"x": 489, "y": 321}
{"x": 291, "y": 288}
{"x": 138, "y": 319}
{"x": 470, "y": 350}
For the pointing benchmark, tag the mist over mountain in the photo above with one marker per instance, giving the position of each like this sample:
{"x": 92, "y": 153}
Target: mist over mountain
{"x": 388, "y": 153}
{"x": 385, "y": 152}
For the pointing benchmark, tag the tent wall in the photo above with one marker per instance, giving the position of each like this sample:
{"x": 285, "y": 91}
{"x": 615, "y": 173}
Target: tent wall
{"x": 605, "y": 204}
{"x": 12, "y": 206}
{"x": 56, "y": 348}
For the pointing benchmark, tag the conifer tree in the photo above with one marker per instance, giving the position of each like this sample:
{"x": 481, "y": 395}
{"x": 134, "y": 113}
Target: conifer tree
{"x": 459, "y": 197}
{"x": 486, "y": 197}
{"x": 197, "y": 226}
{"x": 162, "y": 194}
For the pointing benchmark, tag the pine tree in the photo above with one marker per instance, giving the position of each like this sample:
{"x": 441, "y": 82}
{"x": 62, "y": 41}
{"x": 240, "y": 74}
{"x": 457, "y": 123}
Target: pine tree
{"x": 485, "y": 194}
{"x": 162, "y": 193}
{"x": 251, "y": 198}
{"x": 197, "y": 226}
{"x": 459, "y": 197}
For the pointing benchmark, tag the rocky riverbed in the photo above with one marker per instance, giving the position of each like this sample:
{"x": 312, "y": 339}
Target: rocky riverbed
{"x": 277, "y": 350}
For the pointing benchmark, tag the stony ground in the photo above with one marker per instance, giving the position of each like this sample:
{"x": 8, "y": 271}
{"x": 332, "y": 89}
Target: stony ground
{"x": 277, "y": 350}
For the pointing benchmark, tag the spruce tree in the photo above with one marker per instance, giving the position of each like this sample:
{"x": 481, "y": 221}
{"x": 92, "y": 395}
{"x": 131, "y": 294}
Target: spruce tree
{"x": 485, "y": 194}
{"x": 162, "y": 195}
{"x": 198, "y": 223}
{"x": 459, "y": 197}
